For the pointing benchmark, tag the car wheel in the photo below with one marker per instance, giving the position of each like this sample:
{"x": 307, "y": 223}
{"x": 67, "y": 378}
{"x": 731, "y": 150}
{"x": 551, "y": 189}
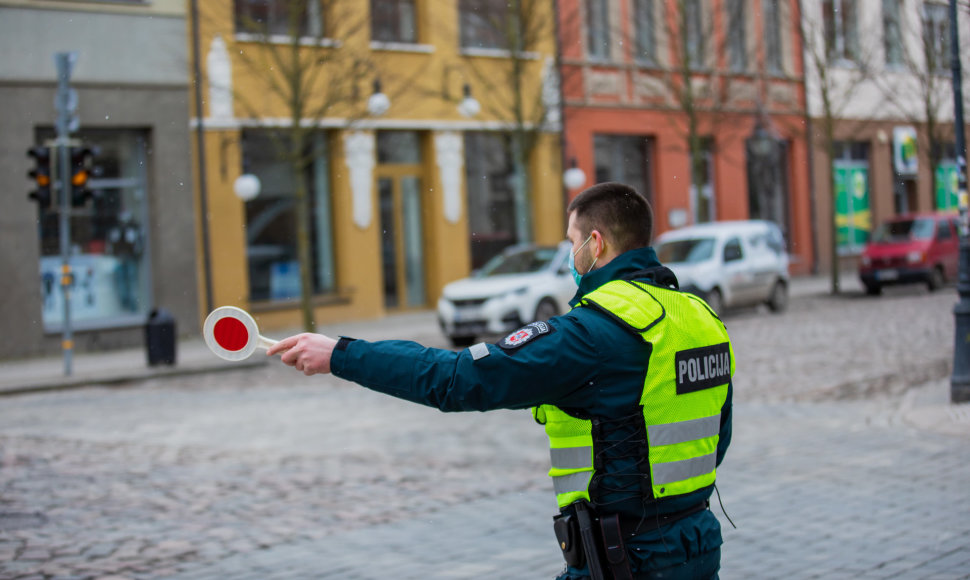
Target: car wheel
{"x": 715, "y": 301}
{"x": 779, "y": 297}
{"x": 546, "y": 309}
{"x": 935, "y": 280}
{"x": 873, "y": 289}
{"x": 461, "y": 341}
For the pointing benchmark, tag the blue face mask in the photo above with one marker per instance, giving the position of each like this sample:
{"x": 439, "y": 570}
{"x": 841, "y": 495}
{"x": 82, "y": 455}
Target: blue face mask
{"x": 572, "y": 262}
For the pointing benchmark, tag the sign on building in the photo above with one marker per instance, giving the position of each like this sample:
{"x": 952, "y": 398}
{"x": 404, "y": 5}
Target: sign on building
{"x": 905, "y": 158}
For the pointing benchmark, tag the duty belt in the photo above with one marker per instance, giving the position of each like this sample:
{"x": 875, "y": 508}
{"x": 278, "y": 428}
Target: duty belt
{"x": 632, "y": 527}
{"x": 583, "y": 536}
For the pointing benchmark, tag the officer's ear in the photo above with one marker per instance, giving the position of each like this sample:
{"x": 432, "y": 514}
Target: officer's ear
{"x": 598, "y": 242}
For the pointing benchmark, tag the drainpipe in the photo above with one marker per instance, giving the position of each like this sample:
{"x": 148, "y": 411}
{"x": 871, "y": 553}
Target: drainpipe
{"x": 200, "y": 156}
{"x": 809, "y": 140}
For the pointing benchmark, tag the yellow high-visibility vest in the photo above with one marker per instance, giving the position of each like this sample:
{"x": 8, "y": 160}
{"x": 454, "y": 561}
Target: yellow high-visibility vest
{"x": 691, "y": 363}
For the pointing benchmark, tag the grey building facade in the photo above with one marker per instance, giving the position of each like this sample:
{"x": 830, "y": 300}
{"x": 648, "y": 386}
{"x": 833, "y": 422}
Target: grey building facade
{"x": 133, "y": 245}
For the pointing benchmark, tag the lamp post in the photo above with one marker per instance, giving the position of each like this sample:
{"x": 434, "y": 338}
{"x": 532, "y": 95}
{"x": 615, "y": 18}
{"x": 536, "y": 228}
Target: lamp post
{"x": 960, "y": 381}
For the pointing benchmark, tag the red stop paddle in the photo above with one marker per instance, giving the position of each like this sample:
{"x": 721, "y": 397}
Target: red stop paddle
{"x": 232, "y": 334}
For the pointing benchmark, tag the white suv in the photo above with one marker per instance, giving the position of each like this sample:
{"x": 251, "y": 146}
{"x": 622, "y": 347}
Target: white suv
{"x": 729, "y": 264}
{"x": 521, "y": 285}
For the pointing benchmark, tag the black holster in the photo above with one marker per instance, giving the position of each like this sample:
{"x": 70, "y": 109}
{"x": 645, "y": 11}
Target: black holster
{"x": 596, "y": 542}
{"x": 567, "y": 534}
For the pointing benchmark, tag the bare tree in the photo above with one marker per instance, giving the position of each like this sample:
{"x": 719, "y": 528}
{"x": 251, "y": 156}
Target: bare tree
{"x": 837, "y": 66}
{"x": 301, "y": 52}
{"x": 701, "y": 86}
{"x": 517, "y": 29}
{"x": 924, "y": 95}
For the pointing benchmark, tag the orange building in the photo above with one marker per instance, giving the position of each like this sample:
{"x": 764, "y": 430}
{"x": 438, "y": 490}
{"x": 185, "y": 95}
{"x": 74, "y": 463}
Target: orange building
{"x": 629, "y": 115}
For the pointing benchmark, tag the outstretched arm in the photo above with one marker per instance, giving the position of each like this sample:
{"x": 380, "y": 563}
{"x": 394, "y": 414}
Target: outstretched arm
{"x": 549, "y": 367}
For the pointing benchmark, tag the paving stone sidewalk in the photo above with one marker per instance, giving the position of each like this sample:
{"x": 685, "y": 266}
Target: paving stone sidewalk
{"x": 817, "y": 490}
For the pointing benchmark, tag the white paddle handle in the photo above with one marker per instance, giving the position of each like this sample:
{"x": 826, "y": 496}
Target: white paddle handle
{"x": 266, "y": 342}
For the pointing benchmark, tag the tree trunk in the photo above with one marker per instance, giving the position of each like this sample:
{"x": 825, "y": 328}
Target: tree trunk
{"x": 833, "y": 211}
{"x": 520, "y": 180}
{"x": 697, "y": 176}
{"x": 303, "y": 247}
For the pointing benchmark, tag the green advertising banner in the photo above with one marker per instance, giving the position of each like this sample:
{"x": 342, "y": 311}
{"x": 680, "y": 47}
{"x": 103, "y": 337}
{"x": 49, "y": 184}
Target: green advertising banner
{"x": 947, "y": 182}
{"x": 853, "y": 218}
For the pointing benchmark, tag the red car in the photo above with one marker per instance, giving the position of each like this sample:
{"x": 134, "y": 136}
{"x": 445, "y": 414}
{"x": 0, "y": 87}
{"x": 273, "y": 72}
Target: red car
{"x": 921, "y": 247}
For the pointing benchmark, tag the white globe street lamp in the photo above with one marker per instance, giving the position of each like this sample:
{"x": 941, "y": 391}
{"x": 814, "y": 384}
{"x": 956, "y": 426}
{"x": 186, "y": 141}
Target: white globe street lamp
{"x": 247, "y": 186}
{"x": 469, "y": 105}
{"x": 378, "y": 103}
{"x": 574, "y": 177}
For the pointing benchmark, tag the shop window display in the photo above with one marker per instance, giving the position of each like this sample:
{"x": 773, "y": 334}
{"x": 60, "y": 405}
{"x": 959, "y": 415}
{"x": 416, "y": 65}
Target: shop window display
{"x": 108, "y": 246}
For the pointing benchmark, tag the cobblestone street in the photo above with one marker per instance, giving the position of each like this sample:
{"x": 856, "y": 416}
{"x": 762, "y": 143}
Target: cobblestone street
{"x": 838, "y": 468}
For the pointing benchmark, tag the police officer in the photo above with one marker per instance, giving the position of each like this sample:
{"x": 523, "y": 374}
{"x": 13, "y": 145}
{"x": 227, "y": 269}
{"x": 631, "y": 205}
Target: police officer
{"x": 633, "y": 387}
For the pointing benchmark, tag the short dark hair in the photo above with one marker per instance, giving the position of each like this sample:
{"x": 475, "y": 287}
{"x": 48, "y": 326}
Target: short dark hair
{"x": 618, "y": 211}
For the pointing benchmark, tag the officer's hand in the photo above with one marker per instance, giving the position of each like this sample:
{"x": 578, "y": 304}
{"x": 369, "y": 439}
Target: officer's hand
{"x": 307, "y": 352}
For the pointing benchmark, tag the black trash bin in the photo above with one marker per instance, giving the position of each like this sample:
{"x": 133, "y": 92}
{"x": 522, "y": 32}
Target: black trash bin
{"x": 160, "y": 337}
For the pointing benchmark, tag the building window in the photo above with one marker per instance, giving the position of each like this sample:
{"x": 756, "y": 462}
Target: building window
{"x": 109, "y": 237}
{"x": 936, "y": 37}
{"x": 624, "y": 158}
{"x": 483, "y": 23}
{"x": 393, "y": 21}
{"x": 271, "y": 251}
{"x": 737, "y": 36}
{"x": 841, "y": 32}
{"x": 491, "y": 200}
{"x": 694, "y": 29}
{"x": 772, "y": 30}
{"x": 278, "y": 17}
{"x": 645, "y": 23}
{"x": 892, "y": 36}
{"x": 597, "y": 29}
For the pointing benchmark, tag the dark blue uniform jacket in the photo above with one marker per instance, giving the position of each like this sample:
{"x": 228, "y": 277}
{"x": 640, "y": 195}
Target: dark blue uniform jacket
{"x": 586, "y": 364}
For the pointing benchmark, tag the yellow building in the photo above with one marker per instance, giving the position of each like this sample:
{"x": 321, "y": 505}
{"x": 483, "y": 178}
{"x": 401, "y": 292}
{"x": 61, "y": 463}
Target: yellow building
{"x": 408, "y": 183}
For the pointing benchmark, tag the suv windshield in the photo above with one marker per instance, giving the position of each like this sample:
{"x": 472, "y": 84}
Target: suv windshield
{"x": 518, "y": 262}
{"x": 691, "y": 250}
{"x": 904, "y": 230}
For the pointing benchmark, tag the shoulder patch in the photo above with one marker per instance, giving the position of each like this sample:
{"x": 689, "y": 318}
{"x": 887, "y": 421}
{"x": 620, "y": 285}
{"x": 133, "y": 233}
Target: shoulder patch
{"x": 526, "y": 334}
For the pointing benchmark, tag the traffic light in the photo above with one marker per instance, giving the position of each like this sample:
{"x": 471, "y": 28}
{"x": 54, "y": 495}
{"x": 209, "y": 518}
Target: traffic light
{"x": 81, "y": 170}
{"x": 40, "y": 174}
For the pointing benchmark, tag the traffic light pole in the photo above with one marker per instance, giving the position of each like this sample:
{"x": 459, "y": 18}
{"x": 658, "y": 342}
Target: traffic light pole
{"x": 65, "y": 61}
{"x": 960, "y": 381}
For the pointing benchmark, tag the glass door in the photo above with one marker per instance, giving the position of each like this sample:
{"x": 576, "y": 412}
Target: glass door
{"x": 402, "y": 246}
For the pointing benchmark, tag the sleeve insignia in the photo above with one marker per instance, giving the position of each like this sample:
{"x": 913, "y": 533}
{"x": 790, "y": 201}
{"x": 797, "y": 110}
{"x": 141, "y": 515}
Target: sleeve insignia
{"x": 525, "y": 334}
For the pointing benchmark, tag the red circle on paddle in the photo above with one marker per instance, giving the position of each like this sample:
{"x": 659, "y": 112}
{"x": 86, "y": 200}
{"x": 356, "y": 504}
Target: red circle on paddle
{"x": 231, "y": 334}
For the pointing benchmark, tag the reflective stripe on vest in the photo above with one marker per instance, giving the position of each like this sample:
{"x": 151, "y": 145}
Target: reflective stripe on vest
{"x": 667, "y": 473}
{"x": 572, "y": 457}
{"x": 572, "y": 483}
{"x": 681, "y": 431}
{"x": 682, "y": 394}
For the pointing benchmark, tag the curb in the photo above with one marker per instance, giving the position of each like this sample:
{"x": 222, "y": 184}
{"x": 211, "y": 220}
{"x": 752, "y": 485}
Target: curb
{"x": 61, "y": 383}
